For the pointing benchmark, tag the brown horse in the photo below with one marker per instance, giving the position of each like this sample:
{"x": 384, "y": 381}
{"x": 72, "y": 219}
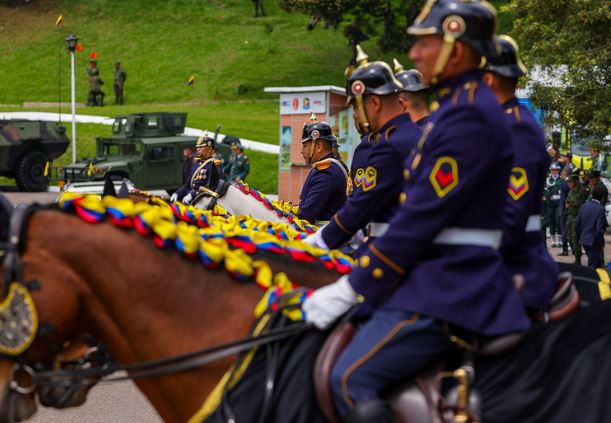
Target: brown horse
{"x": 141, "y": 302}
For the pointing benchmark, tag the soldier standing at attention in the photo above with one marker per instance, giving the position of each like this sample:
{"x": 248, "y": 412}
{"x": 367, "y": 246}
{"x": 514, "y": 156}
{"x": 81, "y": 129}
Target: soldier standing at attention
{"x": 200, "y": 172}
{"x": 120, "y": 77}
{"x": 95, "y": 95}
{"x": 378, "y": 176}
{"x": 590, "y": 227}
{"x": 575, "y": 198}
{"x": 415, "y": 95}
{"x": 324, "y": 190}
{"x": 239, "y": 165}
{"x": 522, "y": 248}
{"x": 437, "y": 265}
{"x": 552, "y": 194}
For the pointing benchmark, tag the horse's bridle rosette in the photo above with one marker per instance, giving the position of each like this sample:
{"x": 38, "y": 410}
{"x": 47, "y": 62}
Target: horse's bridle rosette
{"x": 18, "y": 321}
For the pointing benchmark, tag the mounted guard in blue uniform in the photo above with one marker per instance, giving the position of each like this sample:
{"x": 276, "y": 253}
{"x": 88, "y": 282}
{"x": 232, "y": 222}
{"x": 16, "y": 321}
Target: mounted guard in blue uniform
{"x": 325, "y": 188}
{"x": 376, "y": 170}
{"x": 414, "y": 97}
{"x": 523, "y": 248}
{"x": 200, "y": 172}
{"x": 438, "y": 264}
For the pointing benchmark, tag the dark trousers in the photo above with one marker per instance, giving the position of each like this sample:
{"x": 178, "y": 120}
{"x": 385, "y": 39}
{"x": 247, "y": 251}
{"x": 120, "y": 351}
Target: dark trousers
{"x": 565, "y": 238}
{"x": 389, "y": 348}
{"x": 553, "y": 217}
{"x": 594, "y": 254}
{"x": 118, "y": 94}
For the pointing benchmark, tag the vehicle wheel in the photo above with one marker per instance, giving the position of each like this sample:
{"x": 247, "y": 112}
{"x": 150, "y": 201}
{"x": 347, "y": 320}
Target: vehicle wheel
{"x": 30, "y": 172}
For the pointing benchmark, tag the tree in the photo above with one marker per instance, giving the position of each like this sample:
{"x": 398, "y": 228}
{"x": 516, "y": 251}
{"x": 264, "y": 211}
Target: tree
{"x": 384, "y": 20}
{"x": 571, "y": 39}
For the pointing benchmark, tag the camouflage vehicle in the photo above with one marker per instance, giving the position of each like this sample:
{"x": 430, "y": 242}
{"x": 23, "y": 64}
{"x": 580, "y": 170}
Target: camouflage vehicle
{"x": 26, "y": 147}
{"x": 145, "y": 148}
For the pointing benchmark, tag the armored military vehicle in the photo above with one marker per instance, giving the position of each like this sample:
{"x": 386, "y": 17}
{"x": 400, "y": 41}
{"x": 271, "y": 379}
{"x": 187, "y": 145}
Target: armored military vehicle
{"x": 146, "y": 148}
{"x": 26, "y": 147}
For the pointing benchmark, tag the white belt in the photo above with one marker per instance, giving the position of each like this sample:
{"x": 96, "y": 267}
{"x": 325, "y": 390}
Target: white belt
{"x": 534, "y": 223}
{"x": 461, "y": 236}
{"x": 555, "y": 197}
{"x": 376, "y": 229}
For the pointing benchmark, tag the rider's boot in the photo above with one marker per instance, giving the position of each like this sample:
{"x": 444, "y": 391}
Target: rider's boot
{"x": 370, "y": 411}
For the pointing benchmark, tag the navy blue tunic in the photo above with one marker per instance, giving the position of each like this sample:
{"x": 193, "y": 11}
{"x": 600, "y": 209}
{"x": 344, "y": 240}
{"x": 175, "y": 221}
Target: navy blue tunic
{"x": 377, "y": 179}
{"x": 440, "y": 254}
{"x": 523, "y": 249}
{"x": 324, "y": 191}
{"x": 197, "y": 177}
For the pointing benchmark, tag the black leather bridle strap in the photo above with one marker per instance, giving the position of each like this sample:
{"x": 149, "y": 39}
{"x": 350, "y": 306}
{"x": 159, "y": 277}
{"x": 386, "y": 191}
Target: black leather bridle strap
{"x": 13, "y": 247}
{"x": 153, "y": 368}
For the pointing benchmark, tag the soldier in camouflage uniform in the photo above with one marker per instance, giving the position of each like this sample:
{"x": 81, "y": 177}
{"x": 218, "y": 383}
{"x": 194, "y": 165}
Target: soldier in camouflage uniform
{"x": 552, "y": 203}
{"x": 119, "y": 82}
{"x": 239, "y": 165}
{"x": 95, "y": 96}
{"x": 574, "y": 199}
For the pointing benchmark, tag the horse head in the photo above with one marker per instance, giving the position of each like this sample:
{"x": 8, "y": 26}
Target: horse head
{"x": 29, "y": 338}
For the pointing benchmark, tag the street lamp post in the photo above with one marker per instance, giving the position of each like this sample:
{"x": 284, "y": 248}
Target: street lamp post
{"x": 71, "y": 42}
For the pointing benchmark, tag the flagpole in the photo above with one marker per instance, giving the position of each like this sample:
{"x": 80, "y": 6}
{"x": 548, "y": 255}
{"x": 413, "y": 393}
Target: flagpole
{"x": 72, "y": 88}
{"x": 71, "y": 43}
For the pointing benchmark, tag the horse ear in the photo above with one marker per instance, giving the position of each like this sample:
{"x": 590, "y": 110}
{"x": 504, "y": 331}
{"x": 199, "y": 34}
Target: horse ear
{"x": 5, "y": 215}
{"x": 123, "y": 191}
{"x": 109, "y": 188}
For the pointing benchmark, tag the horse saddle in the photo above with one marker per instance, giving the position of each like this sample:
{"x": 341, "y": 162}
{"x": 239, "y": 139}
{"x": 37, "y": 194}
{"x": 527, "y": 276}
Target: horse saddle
{"x": 419, "y": 400}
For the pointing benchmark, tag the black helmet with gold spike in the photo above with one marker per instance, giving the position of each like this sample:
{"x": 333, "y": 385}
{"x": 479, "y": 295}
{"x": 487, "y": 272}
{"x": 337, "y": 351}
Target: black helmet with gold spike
{"x": 508, "y": 62}
{"x": 375, "y": 78}
{"x": 411, "y": 79}
{"x": 474, "y": 22}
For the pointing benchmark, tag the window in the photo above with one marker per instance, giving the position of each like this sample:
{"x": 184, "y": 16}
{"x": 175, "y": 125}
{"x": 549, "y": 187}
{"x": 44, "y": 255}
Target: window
{"x": 161, "y": 153}
{"x": 152, "y": 123}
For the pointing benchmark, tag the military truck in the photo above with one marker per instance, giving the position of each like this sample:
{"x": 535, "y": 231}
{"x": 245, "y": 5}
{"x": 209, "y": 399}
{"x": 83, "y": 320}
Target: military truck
{"x": 26, "y": 147}
{"x": 146, "y": 148}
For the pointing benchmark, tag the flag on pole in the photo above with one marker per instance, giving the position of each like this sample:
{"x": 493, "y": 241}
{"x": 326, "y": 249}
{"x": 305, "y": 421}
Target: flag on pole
{"x": 59, "y": 20}
{"x": 79, "y": 47}
{"x": 191, "y": 81}
{"x": 90, "y": 169}
{"x": 94, "y": 55}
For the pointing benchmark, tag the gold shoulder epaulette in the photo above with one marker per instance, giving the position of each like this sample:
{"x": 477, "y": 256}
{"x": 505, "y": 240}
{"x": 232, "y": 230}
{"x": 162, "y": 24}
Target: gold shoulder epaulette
{"x": 323, "y": 164}
{"x": 217, "y": 162}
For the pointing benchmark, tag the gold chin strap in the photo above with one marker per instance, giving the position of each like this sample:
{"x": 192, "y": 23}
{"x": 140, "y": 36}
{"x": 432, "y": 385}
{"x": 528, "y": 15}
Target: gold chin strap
{"x": 444, "y": 56}
{"x": 311, "y": 151}
{"x": 453, "y": 27}
{"x": 360, "y": 104}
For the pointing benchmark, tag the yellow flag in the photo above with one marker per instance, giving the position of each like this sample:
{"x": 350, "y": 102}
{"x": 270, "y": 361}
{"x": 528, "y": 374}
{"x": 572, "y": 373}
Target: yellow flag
{"x": 90, "y": 169}
{"x": 191, "y": 81}
{"x": 59, "y": 20}
{"x": 47, "y": 169}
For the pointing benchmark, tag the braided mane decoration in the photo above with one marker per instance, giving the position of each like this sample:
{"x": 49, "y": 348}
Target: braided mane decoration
{"x": 282, "y": 208}
{"x": 196, "y": 232}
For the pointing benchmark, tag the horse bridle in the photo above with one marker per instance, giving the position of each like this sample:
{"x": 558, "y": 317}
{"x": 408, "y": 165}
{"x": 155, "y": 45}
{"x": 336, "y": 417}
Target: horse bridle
{"x": 72, "y": 378}
{"x": 218, "y": 192}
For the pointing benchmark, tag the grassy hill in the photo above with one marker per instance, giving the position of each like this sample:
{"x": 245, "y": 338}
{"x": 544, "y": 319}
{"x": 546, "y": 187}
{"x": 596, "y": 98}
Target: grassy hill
{"x": 161, "y": 43}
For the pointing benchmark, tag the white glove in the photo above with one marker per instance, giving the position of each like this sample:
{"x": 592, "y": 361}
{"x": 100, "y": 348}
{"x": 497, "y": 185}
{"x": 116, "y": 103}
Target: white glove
{"x": 315, "y": 240}
{"x": 187, "y": 199}
{"x": 328, "y": 303}
{"x": 356, "y": 240}
{"x": 174, "y": 198}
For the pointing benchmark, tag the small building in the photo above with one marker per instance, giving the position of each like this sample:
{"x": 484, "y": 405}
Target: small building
{"x": 328, "y": 102}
